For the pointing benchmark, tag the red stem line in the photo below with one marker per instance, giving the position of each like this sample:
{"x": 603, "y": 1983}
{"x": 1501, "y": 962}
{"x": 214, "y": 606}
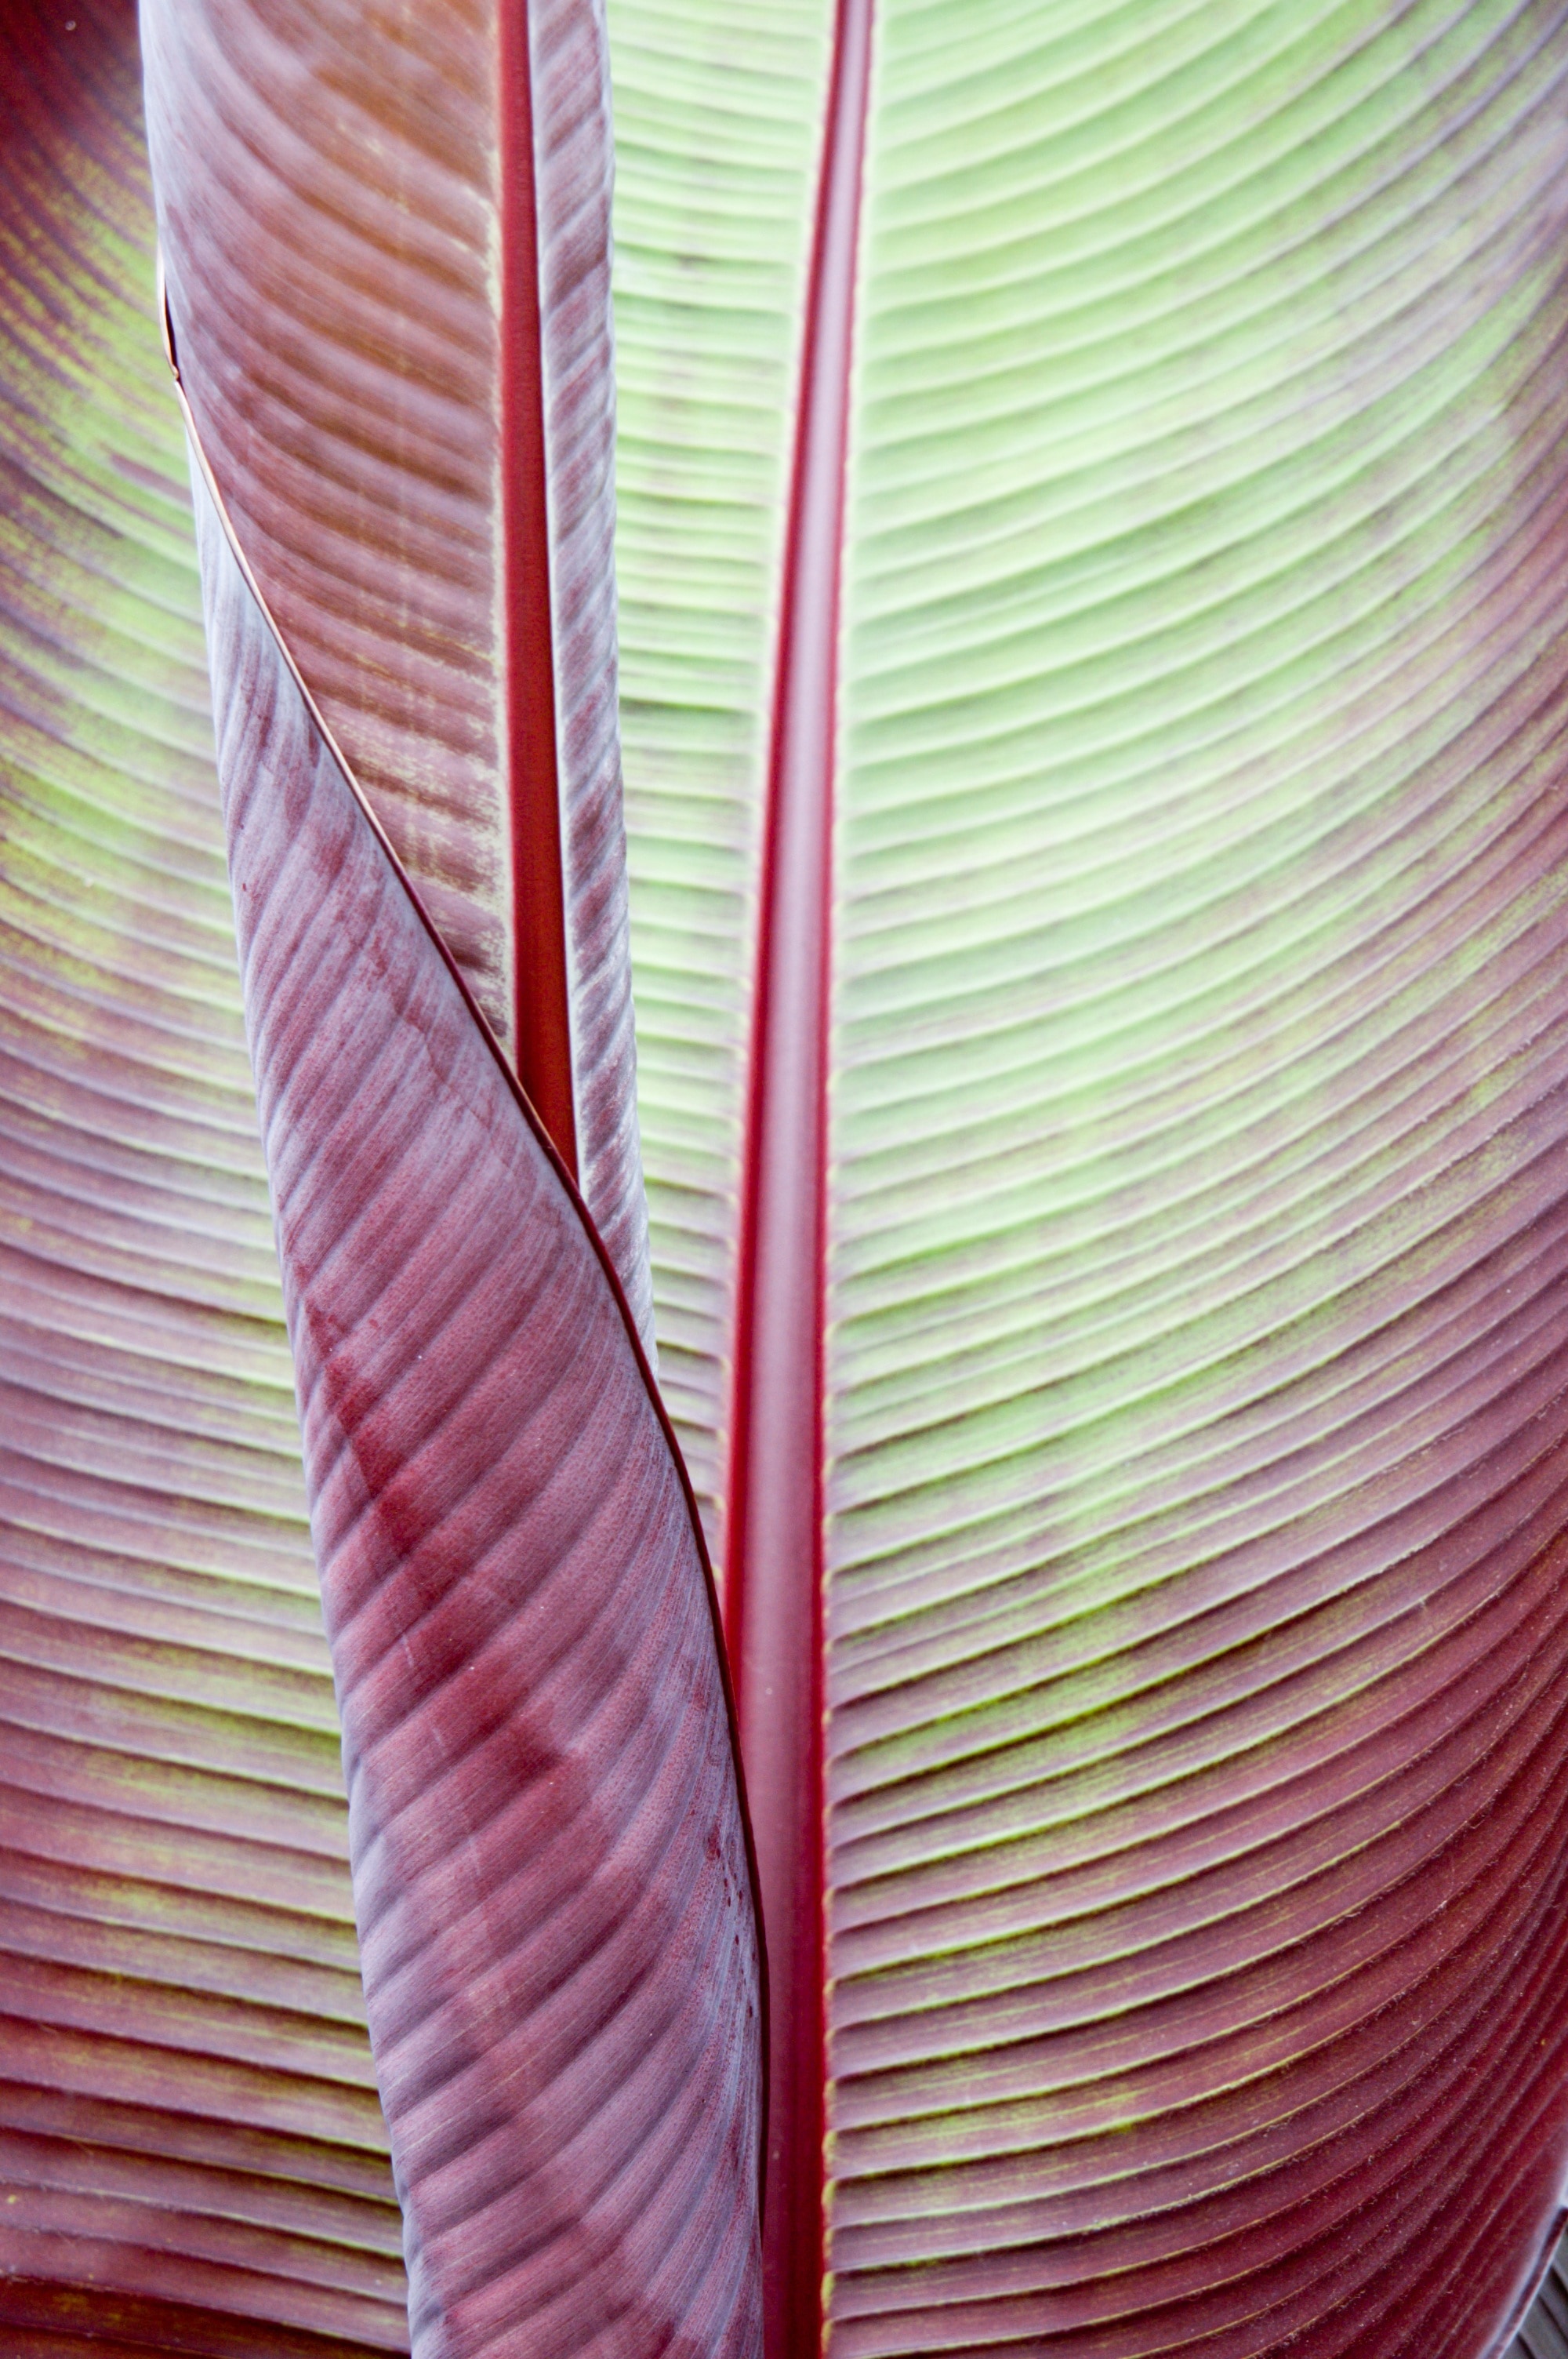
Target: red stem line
{"x": 541, "y": 1017}
{"x": 774, "y": 1601}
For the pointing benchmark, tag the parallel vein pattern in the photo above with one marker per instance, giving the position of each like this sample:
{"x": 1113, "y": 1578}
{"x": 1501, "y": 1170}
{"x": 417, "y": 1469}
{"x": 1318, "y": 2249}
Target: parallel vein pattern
{"x": 1198, "y": 1580}
{"x": 719, "y": 131}
{"x": 315, "y": 195}
{"x": 192, "y": 2157}
{"x": 336, "y": 187}
{"x": 553, "y": 1890}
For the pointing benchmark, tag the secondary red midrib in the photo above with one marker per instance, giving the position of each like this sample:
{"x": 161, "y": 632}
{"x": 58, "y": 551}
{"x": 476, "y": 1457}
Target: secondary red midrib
{"x": 541, "y": 1015}
{"x": 773, "y": 1523}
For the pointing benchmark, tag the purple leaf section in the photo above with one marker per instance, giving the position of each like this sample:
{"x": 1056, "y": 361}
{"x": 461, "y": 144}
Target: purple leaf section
{"x": 386, "y": 237}
{"x": 192, "y": 2159}
{"x": 551, "y": 1872}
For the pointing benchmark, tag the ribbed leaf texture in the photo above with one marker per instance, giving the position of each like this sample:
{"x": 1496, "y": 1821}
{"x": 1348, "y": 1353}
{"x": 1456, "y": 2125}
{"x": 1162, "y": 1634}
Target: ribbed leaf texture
{"x": 1544, "y": 2334}
{"x": 717, "y": 131}
{"x": 385, "y": 232}
{"x": 192, "y": 2157}
{"x": 550, "y": 1869}
{"x": 1186, "y": 1248}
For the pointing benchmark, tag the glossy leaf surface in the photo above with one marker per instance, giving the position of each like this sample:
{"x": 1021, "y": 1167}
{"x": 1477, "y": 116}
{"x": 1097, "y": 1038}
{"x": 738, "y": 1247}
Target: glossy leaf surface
{"x": 385, "y": 232}
{"x": 1187, "y": 1254}
{"x": 192, "y": 2157}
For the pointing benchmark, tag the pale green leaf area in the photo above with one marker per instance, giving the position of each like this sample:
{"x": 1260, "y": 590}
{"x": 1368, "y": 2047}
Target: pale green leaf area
{"x": 1138, "y": 754}
{"x": 1197, "y": 1051}
{"x": 717, "y": 122}
{"x": 1195, "y": 1011}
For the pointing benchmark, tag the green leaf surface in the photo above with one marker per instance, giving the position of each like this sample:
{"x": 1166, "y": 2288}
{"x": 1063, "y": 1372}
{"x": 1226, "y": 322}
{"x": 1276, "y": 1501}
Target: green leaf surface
{"x": 1192, "y": 1284}
{"x": 716, "y": 140}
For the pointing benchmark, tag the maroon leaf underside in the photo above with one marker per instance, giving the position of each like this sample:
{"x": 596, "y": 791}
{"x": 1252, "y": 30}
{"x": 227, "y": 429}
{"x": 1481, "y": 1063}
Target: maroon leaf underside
{"x": 192, "y": 2159}
{"x": 386, "y": 232}
{"x": 550, "y": 1865}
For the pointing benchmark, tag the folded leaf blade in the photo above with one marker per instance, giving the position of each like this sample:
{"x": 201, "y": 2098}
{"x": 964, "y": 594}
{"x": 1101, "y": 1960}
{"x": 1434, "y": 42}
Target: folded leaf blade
{"x": 552, "y": 1878}
{"x": 387, "y": 240}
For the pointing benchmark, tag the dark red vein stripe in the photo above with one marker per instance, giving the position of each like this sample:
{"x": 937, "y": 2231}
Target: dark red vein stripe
{"x": 539, "y": 948}
{"x": 774, "y": 1519}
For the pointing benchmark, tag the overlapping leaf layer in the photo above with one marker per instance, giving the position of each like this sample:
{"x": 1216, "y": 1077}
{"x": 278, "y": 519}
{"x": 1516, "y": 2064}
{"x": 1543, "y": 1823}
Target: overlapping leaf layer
{"x": 386, "y": 235}
{"x": 550, "y": 1867}
{"x": 1194, "y": 1295}
{"x": 550, "y": 1857}
{"x": 1544, "y": 2334}
{"x": 192, "y": 2156}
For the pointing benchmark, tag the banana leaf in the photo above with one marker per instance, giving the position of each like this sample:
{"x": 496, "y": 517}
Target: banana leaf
{"x": 1092, "y": 564}
{"x": 1090, "y": 526}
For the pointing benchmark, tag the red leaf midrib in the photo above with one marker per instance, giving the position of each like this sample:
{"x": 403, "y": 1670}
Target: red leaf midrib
{"x": 541, "y": 1003}
{"x": 773, "y": 1520}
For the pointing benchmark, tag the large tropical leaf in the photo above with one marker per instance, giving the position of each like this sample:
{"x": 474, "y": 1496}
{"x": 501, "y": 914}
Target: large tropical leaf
{"x": 1109, "y": 931}
{"x": 552, "y": 1878}
{"x": 191, "y": 2152}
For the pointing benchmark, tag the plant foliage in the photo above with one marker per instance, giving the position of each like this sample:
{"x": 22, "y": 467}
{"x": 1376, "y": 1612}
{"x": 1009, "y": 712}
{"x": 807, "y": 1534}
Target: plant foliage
{"x": 1091, "y": 567}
